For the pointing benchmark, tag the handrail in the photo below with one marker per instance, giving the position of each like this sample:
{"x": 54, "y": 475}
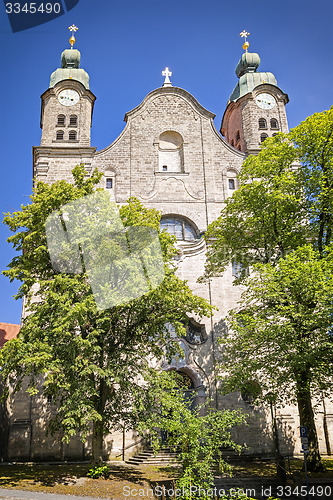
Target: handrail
{"x": 130, "y": 446}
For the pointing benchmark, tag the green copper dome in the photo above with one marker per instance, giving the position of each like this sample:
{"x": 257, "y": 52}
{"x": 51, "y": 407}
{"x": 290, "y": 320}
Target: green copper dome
{"x": 70, "y": 58}
{"x": 249, "y": 78}
{"x": 248, "y": 63}
{"x": 70, "y": 69}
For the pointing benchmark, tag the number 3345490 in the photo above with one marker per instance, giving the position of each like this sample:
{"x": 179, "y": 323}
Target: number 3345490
{"x": 33, "y": 8}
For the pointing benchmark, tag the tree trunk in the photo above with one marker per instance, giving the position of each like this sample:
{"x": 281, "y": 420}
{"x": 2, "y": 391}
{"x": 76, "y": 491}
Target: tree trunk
{"x": 307, "y": 419}
{"x": 279, "y": 459}
{"x": 97, "y": 443}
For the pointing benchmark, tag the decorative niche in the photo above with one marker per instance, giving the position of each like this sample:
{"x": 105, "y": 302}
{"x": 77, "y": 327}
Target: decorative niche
{"x": 171, "y": 152}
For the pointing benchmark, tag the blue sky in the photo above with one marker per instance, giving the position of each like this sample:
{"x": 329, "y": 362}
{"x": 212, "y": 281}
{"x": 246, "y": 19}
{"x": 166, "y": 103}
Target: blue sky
{"x": 125, "y": 44}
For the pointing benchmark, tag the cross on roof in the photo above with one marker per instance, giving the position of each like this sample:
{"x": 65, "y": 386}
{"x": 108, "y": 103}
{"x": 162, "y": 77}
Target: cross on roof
{"x": 244, "y": 33}
{"x": 246, "y": 44}
{"x": 167, "y": 73}
{"x": 73, "y": 28}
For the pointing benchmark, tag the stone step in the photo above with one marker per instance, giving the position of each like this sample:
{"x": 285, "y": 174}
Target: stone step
{"x": 167, "y": 455}
{"x": 133, "y": 461}
{"x": 147, "y": 457}
{"x": 153, "y": 459}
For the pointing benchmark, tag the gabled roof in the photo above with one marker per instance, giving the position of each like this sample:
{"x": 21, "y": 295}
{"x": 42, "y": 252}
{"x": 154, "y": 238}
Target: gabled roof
{"x": 8, "y": 331}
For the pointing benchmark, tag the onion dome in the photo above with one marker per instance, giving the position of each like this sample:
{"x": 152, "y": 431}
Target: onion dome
{"x": 249, "y": 77}
{"x": 70, "y": 65}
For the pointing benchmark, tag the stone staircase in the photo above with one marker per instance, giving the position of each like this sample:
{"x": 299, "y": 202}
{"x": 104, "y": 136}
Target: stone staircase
{"x": 164, "y": 457}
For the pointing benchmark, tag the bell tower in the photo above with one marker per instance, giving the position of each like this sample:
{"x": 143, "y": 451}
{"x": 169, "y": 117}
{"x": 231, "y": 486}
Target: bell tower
{"x": 67, "y": 105}
{"x": 256, "y": 107}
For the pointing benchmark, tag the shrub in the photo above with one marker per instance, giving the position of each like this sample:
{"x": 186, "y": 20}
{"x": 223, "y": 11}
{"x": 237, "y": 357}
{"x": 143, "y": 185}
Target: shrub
{"x": 99, "y": 471}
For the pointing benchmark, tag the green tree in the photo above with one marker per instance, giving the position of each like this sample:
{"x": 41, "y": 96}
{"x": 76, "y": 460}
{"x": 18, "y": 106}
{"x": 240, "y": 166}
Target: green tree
{"x": 266, "y": 217}
{"x": 197, "y": 435}
{"x": 284, "y": 203}
{"x": 91, "y": 360}
{"x": 313, "y": 141}
{"x": 284, "y": 200}
{"x": 282, "y": 335}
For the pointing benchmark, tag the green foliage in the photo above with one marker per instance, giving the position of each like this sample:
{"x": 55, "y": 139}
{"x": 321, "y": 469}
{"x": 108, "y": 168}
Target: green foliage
{"x": 28, "y": 224}
{"x": 99, "y": 471}
{"x": 284, "y": 200}
{"x": 313, "y": 141}
{"x": 266, "y": 217}
{"x": 281, "y": 334}
{"x": 283, "y": 326}
{"x": 92, "y": 360}
{"x": 197, "y": 435}
{"x": 239, "y": 495}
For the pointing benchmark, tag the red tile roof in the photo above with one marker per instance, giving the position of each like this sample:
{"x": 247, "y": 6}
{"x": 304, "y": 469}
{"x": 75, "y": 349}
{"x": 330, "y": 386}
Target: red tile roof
{"x": 8, "y": 332}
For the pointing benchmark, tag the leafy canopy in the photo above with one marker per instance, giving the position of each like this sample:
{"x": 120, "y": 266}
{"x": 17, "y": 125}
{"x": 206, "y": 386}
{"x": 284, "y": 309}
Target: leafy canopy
{"x": 266, "y": 217}
{"x": 283, "y": 327}
{"x": 284, "y": 199}
{"x": 93, "y": 361}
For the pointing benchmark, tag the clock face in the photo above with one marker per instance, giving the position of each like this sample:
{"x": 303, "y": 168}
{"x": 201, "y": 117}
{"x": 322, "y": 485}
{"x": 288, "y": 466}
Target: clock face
{"x": 265, "y": 101}
{"x": 68, "y": 97}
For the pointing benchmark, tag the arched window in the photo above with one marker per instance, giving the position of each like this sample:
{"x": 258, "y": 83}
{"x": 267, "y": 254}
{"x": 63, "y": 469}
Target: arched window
{"x": 262, "y": 123}
{"x": 170, "y": 149}
{"x": 273, "y": 135}
{"x": 195, "y": 332}
{"x": 237, "y": 136}
{"x": 263, "y": 137}
{"x": 180, "y": 228}
{"x": 108, "y": 183}
{"x": 60, "y": 135}
{"x": 61, "y": 120}
{"x": 73, "y": 121}
{"x": 274, "y": 123}
{"x": 72, "y": 135}
{"x": 186, "y": 384}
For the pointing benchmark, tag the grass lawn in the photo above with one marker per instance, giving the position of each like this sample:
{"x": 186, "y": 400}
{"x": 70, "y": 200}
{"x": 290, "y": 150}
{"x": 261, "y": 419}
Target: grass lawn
{"x": 71, "y": 479}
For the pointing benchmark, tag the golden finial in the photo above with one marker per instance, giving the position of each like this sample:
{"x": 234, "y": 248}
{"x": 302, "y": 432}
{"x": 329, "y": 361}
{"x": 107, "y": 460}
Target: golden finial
{"x": 246, "y": 44}
{"x": 73, "y": 29}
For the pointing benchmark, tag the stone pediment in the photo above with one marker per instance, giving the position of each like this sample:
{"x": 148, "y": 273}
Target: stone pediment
{"x": 168, "y": 109}
{"x": 165, "y": 96}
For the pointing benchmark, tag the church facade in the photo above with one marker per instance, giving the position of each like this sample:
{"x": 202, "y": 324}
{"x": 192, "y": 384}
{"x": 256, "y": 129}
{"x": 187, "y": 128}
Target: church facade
{"x": 171, "y": 157}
